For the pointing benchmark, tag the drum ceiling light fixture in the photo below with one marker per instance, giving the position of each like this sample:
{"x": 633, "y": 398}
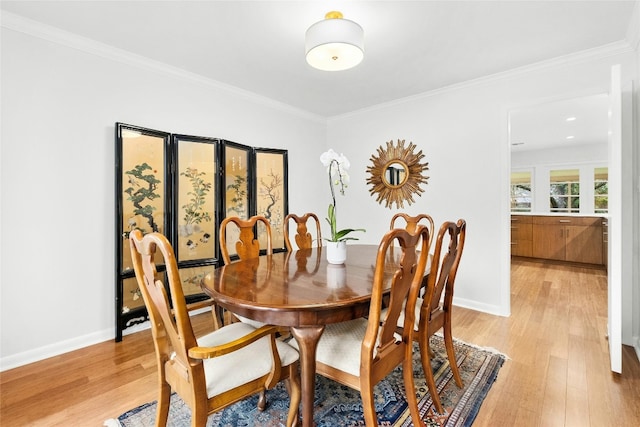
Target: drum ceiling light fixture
{"x": 334, "y": 44}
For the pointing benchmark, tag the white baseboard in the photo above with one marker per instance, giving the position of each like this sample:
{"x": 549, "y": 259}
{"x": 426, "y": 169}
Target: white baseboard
{"x": 474, "y": 305}
{"x": 56, "y": 349}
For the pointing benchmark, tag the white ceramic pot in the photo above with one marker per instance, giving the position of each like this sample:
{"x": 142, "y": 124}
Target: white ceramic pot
{"x": 336, "y": 252}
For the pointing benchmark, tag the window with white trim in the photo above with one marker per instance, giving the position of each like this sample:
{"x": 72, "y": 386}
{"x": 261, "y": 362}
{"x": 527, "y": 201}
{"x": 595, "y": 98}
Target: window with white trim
{"x": 564, "y": 190}
{"x": 521, "y": 191}
{"x": 601, "y": 190}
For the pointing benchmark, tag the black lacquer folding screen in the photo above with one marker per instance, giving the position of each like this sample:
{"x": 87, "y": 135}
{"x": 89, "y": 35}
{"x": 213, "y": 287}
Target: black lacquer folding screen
{"x": 184, "y": 186}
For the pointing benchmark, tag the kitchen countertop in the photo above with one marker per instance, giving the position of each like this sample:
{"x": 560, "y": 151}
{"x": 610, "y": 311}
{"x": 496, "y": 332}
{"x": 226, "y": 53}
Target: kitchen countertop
{"x": 585, "y": 215}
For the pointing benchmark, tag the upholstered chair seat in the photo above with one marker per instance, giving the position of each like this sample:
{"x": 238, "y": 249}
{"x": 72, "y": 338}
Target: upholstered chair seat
{"x": 217, "y": 370}
{"x": 341, "y": 345}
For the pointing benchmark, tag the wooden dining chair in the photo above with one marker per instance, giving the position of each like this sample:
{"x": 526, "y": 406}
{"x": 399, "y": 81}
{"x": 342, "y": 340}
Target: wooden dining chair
{"x": 246, "y": 245}
{"x": 359, "y": 353}
{"x": 410, "y": 224}
{"x": 303, "y": 238}
{"x": 213, "y": 371}
{"x": 433, "y": 313}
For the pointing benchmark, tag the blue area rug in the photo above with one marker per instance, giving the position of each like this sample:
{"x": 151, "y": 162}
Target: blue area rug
{"x": 338, "y": 406}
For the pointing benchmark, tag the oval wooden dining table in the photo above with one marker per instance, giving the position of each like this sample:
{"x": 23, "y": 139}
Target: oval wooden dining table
{"x": 302, "y": 291}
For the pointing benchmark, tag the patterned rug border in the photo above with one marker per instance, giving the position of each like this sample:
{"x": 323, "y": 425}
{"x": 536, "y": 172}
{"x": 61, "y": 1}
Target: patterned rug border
{"x": 491, "y": 350}
{"x": 462, "y": 410}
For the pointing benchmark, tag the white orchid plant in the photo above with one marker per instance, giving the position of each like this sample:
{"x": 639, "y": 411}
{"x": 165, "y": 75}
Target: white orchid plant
{"x": 337, "y": 166}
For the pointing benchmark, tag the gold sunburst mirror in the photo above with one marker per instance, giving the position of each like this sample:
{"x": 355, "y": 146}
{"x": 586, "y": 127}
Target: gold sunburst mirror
{"x": 396, "y": 174}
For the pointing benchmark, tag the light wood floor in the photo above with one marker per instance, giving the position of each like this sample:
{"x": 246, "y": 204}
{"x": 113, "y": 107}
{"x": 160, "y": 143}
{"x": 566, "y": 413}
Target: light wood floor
{"x": 557, "y": 375}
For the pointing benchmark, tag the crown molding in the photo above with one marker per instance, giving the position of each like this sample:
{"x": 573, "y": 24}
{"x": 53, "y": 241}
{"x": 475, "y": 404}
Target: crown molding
{"x": 33, "y": 28}
{"x": 20, "y": 24}
{"x": 604, "y": 51}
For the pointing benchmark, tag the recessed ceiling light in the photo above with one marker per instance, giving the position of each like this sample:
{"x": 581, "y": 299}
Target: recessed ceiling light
{"x": 570, "y": 119}
{"x": 570, "y": 137}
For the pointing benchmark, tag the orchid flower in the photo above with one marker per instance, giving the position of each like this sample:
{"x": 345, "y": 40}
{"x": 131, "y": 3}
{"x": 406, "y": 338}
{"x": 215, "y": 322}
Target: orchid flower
{"x": 337, "y": 166}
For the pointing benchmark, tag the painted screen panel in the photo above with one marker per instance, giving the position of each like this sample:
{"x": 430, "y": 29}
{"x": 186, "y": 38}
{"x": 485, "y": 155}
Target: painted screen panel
{"x": 143, "y": 179}
{"x": 271, "y": 195}
{"x": 196, "y": 198}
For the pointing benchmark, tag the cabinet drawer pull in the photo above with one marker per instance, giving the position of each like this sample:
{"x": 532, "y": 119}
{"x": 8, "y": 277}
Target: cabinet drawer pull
{"x": 565, "y": 220}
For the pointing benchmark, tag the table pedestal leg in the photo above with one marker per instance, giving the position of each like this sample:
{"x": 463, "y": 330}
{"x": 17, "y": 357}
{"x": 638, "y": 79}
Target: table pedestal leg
{"x": 307, "y": 339}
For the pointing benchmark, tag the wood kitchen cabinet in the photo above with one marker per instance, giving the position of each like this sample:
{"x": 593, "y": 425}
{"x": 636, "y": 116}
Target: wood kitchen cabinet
{"x": 567, "y": 238}
{"x": 521, "y": 235}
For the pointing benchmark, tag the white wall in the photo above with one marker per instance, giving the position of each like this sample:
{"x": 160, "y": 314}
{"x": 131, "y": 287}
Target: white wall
{"x": 59, "y": 106}
{"x": 463, "y": 132}
{"x": 636, "y": 191}
{"x": 60, "y": 102}
{"x": 587, "y": 153}
{"x": 464, "y": 151}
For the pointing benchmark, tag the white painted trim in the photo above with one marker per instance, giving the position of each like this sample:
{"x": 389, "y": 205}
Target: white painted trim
{"x": 475, "y": 305}
{"x": 58, "y": 348}
{"x": 55, "y": 349}
{"x": 33, "y": 28}
{"x": 635, "y": 124}
{"x": 615, "y": 266}
{"x": 505, "y": 213}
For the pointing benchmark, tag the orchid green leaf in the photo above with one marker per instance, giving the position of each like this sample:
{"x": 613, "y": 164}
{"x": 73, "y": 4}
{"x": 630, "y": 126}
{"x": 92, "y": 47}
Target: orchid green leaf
{"x": 337, "y": 166}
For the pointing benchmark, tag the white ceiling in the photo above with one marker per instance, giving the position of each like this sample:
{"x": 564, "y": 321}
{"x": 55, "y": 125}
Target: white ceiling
{"x": 411, "y": 47}
{"x": 565, "y": 123}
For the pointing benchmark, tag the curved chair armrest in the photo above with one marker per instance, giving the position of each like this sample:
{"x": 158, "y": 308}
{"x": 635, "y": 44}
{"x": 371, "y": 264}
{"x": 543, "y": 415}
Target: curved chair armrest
{"x": 219, "y": 350}
{"x": 230, "y": 347}
{"x": 200, "y": 304}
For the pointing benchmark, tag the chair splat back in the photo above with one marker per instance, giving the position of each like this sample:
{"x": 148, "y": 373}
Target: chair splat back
{"x": 247, "y": 245}
{"x": 404, "y": 284}
{"x": 171, "y": 328}
{"x": 303, "y": 238}
{"x": 432, "y": 315}
{"x": 361, "y": 352}
{"x": 413, "y": 221}
{"x": 444, "y": 267}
